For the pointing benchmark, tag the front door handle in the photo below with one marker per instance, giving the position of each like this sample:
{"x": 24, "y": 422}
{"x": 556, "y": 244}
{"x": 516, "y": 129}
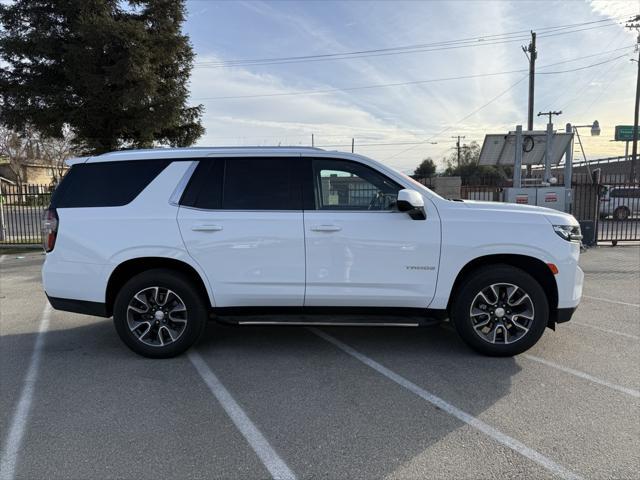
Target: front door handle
{"x": 326, "y": 228}
{"x": 206, "y": 228}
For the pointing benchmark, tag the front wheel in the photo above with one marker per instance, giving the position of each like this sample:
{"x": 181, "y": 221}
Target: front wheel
{"x": 159, "y": 313}
{"x": 500, "y": 310}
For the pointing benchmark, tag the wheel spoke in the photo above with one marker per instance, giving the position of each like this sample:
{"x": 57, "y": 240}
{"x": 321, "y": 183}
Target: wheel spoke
{"x": 479, "y": 326}
{"x": 518, "y": 325}
{"x": 486, "y": 300}
{"x": 139, "y": 324}
{"x": 168, "y": 330}
{"x": 520, "y": 300}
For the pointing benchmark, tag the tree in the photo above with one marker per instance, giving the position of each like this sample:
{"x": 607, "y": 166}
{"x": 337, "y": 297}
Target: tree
{"x": 29, "y": 147}
{"x": 55, "y": 151}
{"x": 18, "y": 149}
{"x": 114, "y": 72}
{"x": 426, "y": 169}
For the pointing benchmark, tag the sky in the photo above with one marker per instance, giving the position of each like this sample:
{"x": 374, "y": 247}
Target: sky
{"x": 417, "y": 120}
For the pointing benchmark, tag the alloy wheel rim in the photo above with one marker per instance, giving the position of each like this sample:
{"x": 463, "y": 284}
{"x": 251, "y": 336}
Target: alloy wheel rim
{"x": 502, "y": 313}
{"x": 157, "y": 316}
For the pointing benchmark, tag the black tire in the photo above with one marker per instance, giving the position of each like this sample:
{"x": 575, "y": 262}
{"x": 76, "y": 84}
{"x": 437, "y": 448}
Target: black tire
{"x": 621, "y": 213}
{"x": 482, "y": 279}
{"x": 186, "y": 333}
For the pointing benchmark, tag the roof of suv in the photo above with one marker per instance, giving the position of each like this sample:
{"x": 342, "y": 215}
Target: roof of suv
{"x": 194, "y": 152}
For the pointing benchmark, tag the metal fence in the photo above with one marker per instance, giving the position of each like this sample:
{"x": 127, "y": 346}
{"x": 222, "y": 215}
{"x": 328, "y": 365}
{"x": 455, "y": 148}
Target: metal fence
{"x": 610, "y": 205}
{"x": 21, "y": 211}
{"x": 618, "y": 207}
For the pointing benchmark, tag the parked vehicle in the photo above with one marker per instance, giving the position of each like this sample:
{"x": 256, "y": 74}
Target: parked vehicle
{"x": 163, "y": 240}
{"x": 621, "y": 202}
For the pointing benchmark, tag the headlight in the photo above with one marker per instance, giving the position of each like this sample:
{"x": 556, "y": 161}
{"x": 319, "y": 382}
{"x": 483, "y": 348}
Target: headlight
{"x": 569, "y": 232}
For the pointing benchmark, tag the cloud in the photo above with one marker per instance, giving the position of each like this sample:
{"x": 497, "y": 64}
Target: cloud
{"x": 397, "y": 114}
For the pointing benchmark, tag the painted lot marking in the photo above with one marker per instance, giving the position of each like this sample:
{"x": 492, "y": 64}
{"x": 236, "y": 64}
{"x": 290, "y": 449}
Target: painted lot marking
{"x": 276, "y": 466}
{"x": 606, "y": 330}
{"x": 461, "y": 415}
{"x": 629, "y": 391}
{"x": 612, "y": 301}
{"x": 20, "y": 417}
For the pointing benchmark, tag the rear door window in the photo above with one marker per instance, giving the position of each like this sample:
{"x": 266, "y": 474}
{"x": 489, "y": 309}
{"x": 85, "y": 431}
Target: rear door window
{"x": 105, "y": 184}
{"x": 251, "y": 183}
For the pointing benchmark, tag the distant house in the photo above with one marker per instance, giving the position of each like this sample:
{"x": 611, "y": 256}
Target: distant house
{"x": 33, "y": 172}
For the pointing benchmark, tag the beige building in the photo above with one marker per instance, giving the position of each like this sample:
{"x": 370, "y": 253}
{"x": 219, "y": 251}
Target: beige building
{"x": 32, "y": 173}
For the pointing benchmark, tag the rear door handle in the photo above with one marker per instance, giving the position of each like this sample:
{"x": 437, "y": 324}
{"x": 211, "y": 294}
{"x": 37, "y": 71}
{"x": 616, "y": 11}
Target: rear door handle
{"x": 206, "y": 228}
{"x": 326, "y": 228}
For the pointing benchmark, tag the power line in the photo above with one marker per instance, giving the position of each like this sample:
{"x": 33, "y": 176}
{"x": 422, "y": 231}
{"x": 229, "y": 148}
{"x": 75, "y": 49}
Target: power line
{"x": 494, "y": 39}
{"x": 462, "y": 119}
{"x": 415, "y": 82}
{"x": 583, "y": 68}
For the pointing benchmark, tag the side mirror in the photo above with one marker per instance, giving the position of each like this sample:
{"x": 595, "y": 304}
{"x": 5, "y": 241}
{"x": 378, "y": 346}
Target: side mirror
{"x": 411, "y": 202}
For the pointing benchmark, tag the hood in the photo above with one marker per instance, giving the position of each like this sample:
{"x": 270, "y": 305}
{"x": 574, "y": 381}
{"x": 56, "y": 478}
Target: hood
{"x": 555, "y": 217}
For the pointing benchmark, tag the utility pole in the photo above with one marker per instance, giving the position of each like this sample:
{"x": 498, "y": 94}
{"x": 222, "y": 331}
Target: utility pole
{"x": 548, "y": 145}
{"x": 635, "y": 23}
{"x": 532, "y": 55}
{"x": 313, "y": 143}
{"x": 353, "y": 144}
{"x": 458, "y": 146}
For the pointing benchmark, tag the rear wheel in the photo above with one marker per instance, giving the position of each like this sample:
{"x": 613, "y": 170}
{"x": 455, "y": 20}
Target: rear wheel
{"x": 159, "y": 313}
{"x": 621, "y": 213}
{"x": 500, "y": 310}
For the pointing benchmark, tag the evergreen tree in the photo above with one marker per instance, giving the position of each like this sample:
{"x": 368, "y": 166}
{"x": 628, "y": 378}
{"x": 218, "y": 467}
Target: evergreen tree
{"x": 426, "y": 169}
{"x": 115, "y": 73}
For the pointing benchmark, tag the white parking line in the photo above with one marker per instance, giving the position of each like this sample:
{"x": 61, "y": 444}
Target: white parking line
{"x": 276, "y": 466}
{"x": 13, "y": 441}
{"x": 611, "y": 301}
{"x": 606, "y": 330}
{"x": 629, "y": 391}
{"x": 465, "y": 417}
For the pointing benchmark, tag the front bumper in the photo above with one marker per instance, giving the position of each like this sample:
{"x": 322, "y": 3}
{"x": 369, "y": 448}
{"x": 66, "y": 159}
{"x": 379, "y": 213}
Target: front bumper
{"x": 564, "y": 314}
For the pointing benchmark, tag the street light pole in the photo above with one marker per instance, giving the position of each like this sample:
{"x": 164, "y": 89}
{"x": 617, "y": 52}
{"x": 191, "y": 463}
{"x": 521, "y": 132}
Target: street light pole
{"x": 548, "y": 146}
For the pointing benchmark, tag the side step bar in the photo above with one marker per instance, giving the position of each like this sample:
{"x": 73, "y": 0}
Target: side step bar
{"x": 328, "y": 324}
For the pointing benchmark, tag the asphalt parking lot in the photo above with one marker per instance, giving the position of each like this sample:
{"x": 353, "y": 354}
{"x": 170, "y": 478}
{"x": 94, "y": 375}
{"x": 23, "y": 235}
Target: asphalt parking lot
{"x": 334, "y": 403}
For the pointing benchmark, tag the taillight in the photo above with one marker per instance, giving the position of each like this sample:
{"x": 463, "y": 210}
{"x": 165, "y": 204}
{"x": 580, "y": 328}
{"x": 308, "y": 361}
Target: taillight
{"x": 49, "y": 229}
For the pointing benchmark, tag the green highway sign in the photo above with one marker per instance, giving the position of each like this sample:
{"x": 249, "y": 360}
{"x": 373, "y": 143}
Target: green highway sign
{"x": 624, "y": 133}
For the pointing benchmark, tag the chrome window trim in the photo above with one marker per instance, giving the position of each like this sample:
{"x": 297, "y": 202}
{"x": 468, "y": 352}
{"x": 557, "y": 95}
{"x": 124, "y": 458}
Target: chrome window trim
{"x": 174, "y": 199}
{"x": 222, "y": 210}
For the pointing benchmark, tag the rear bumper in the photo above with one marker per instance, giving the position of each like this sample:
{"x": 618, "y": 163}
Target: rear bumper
{"x": 84, "y": 307}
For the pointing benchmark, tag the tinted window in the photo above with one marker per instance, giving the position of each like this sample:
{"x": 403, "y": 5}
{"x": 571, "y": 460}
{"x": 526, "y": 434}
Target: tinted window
{"x": 625, "y": 193}
{"x": 246, "y": 184}
{"x": 204, "y": 189}
{"x": 105, "y": 184}
{"x": 345, "y": 185}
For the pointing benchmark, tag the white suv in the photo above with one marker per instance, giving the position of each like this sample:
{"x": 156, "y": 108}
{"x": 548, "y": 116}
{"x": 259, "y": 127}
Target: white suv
{"x": 163, "y": 240}
{"x": 621, "y": 202}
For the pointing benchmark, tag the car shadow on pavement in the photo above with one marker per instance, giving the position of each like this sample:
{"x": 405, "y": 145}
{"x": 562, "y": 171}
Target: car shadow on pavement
{"x": 324, "y": 412}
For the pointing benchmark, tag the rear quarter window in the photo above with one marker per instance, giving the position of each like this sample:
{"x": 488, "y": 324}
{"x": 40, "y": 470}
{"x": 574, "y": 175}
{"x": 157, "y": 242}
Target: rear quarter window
{"x": 105, "y": 184}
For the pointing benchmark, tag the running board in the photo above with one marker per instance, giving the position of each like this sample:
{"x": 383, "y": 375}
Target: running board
{"x": 328, "y": 324}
